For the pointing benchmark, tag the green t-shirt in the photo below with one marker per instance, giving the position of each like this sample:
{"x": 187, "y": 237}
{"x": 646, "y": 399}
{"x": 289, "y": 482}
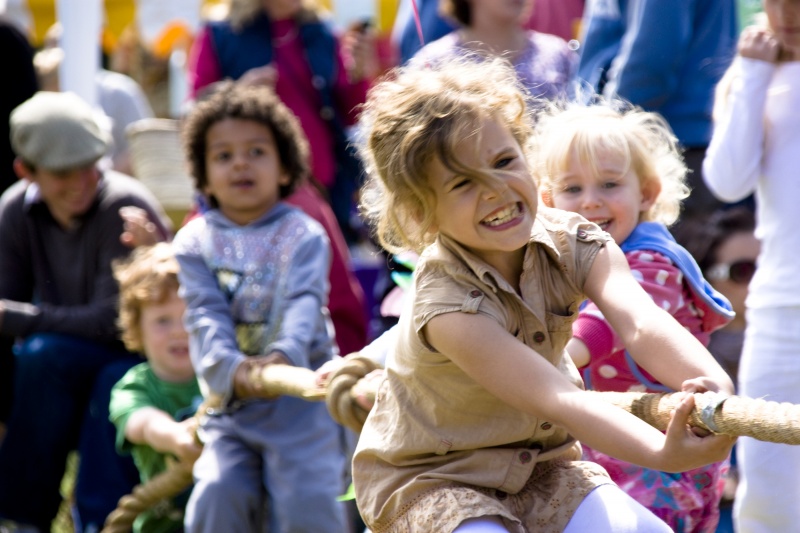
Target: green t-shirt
{"x": 139, "y": 388}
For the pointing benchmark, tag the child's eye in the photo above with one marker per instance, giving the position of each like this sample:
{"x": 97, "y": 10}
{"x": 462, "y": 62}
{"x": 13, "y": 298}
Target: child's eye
{"x": 572, "y": 189}
{"x": 221, "y": 156}
{"x": 459, "y": 183}
{"x": 256, "y": 151}
{"x": 164, "y": 321}
{"x": 504, "y": 162}
{"x": 610, "y": 184}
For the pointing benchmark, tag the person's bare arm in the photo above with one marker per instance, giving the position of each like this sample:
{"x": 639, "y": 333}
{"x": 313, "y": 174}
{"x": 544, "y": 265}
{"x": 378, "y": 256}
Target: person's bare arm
{"x": 578, "y": 352}
{"x": 522, "y": 378}
{"x": 155, "y": 428}
{"x": 658, "y": 342}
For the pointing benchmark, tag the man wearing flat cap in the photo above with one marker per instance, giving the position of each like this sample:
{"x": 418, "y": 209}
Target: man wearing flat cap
{"x": 60, "y": 230}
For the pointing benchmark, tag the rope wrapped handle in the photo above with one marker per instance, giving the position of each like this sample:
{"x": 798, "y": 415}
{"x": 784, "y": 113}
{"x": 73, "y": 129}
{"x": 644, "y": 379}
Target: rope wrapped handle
{"x": 737, "y": 416}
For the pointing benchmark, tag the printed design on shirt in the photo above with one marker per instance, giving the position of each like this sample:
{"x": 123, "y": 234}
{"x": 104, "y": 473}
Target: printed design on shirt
{"x": 229, "y": 281}
{"x": 252, "y": 267}
{"x": 250, "y": 337}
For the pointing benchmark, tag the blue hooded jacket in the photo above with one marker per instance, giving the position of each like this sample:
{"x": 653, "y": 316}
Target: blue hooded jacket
{"x": 666, "y": 56}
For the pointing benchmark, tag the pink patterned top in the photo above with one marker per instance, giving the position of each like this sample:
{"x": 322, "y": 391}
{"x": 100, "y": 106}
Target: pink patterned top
{"x": 687, "y": 502}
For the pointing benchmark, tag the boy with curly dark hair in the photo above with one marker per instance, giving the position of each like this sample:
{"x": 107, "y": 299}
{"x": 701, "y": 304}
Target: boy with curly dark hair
{"x": 254, "y": 275}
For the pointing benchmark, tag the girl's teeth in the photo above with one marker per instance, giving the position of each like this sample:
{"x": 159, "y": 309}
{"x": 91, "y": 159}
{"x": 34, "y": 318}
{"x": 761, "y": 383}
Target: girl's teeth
{"x": 503, "y": 216}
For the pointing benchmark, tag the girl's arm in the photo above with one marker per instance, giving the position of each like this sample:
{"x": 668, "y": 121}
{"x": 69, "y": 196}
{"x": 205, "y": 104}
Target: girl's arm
{"x": 653, "y": 337}
{"x": 155, "y": 428}
{"x": 519, "y": 376}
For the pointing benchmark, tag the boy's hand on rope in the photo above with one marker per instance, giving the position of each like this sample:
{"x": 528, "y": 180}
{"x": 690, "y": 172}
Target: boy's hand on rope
{"x": 244, "y": 384}
{"x": 187, "y": 447}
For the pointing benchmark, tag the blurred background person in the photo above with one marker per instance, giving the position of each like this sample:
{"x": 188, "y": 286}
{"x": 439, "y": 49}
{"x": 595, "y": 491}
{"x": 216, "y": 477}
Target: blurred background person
{"x": 666, "y": 59}
{"x": 754, "y": 150}
{"x": 16, "y": 63}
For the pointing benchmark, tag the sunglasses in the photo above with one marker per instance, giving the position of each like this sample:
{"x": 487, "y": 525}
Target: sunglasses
{"x": 738, "y": 272}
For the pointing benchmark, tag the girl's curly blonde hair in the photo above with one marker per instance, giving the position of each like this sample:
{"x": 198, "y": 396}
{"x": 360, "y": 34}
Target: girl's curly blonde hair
{"x": 643, "y": 139}
{"x": 420, "y": 112}
{"x": 149, "y": 275}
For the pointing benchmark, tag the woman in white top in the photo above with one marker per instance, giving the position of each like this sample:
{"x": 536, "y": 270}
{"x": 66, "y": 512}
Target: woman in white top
{"x": 756, "y": 148}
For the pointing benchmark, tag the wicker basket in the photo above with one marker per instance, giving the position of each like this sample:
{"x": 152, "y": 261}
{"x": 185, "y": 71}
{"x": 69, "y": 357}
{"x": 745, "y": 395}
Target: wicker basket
{"x": 158, "y": 161}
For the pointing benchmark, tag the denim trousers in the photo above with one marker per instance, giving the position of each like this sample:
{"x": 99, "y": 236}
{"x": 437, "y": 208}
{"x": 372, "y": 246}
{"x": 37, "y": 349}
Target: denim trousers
{"x": 62, "y": 387}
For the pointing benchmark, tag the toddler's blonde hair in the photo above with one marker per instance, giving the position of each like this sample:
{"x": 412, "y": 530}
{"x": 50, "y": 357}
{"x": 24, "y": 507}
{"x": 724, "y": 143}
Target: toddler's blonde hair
{"x": 420, "y": 113}
{"x": 148, "y": 276}
{"x": 643, "y": 139}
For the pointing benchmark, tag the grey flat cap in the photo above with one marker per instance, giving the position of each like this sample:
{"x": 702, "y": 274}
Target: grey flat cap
{"x": 57, "y": 131}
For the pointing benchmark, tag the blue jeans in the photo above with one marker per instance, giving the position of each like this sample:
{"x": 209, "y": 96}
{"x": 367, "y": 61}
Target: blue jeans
{"x": 62, "y": 387}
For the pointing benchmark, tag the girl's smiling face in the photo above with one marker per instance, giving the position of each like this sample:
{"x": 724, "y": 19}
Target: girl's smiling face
{"x": 493, "y": 222}
{"x": 608, "y": 193}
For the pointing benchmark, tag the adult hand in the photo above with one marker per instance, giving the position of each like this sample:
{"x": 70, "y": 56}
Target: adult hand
{"x": 137, "y": 229}
{"x": 757, "y": 42}
{"x": 266, "y": 75}
{"x": 360, "y": 55}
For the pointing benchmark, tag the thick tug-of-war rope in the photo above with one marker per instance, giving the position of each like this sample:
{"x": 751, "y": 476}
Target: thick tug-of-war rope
{"x": 736, "y": 416}
{"x": 165, "y": 485}
{"x": 730, "y": 415}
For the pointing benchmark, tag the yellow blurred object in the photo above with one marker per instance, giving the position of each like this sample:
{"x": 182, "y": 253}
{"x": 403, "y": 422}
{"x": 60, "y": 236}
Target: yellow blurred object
{"x": 120, "y": 14}
{"x": 176, "y": 34}
{"x": 387, "y": 11}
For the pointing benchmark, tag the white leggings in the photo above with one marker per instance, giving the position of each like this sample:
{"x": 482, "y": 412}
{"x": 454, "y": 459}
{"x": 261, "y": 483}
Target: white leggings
{"x": 607, "y": 509}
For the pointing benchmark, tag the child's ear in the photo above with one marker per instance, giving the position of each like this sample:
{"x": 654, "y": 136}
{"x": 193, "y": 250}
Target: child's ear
{"x": 651, "y": 188}
{"x": 546, "y": 196}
